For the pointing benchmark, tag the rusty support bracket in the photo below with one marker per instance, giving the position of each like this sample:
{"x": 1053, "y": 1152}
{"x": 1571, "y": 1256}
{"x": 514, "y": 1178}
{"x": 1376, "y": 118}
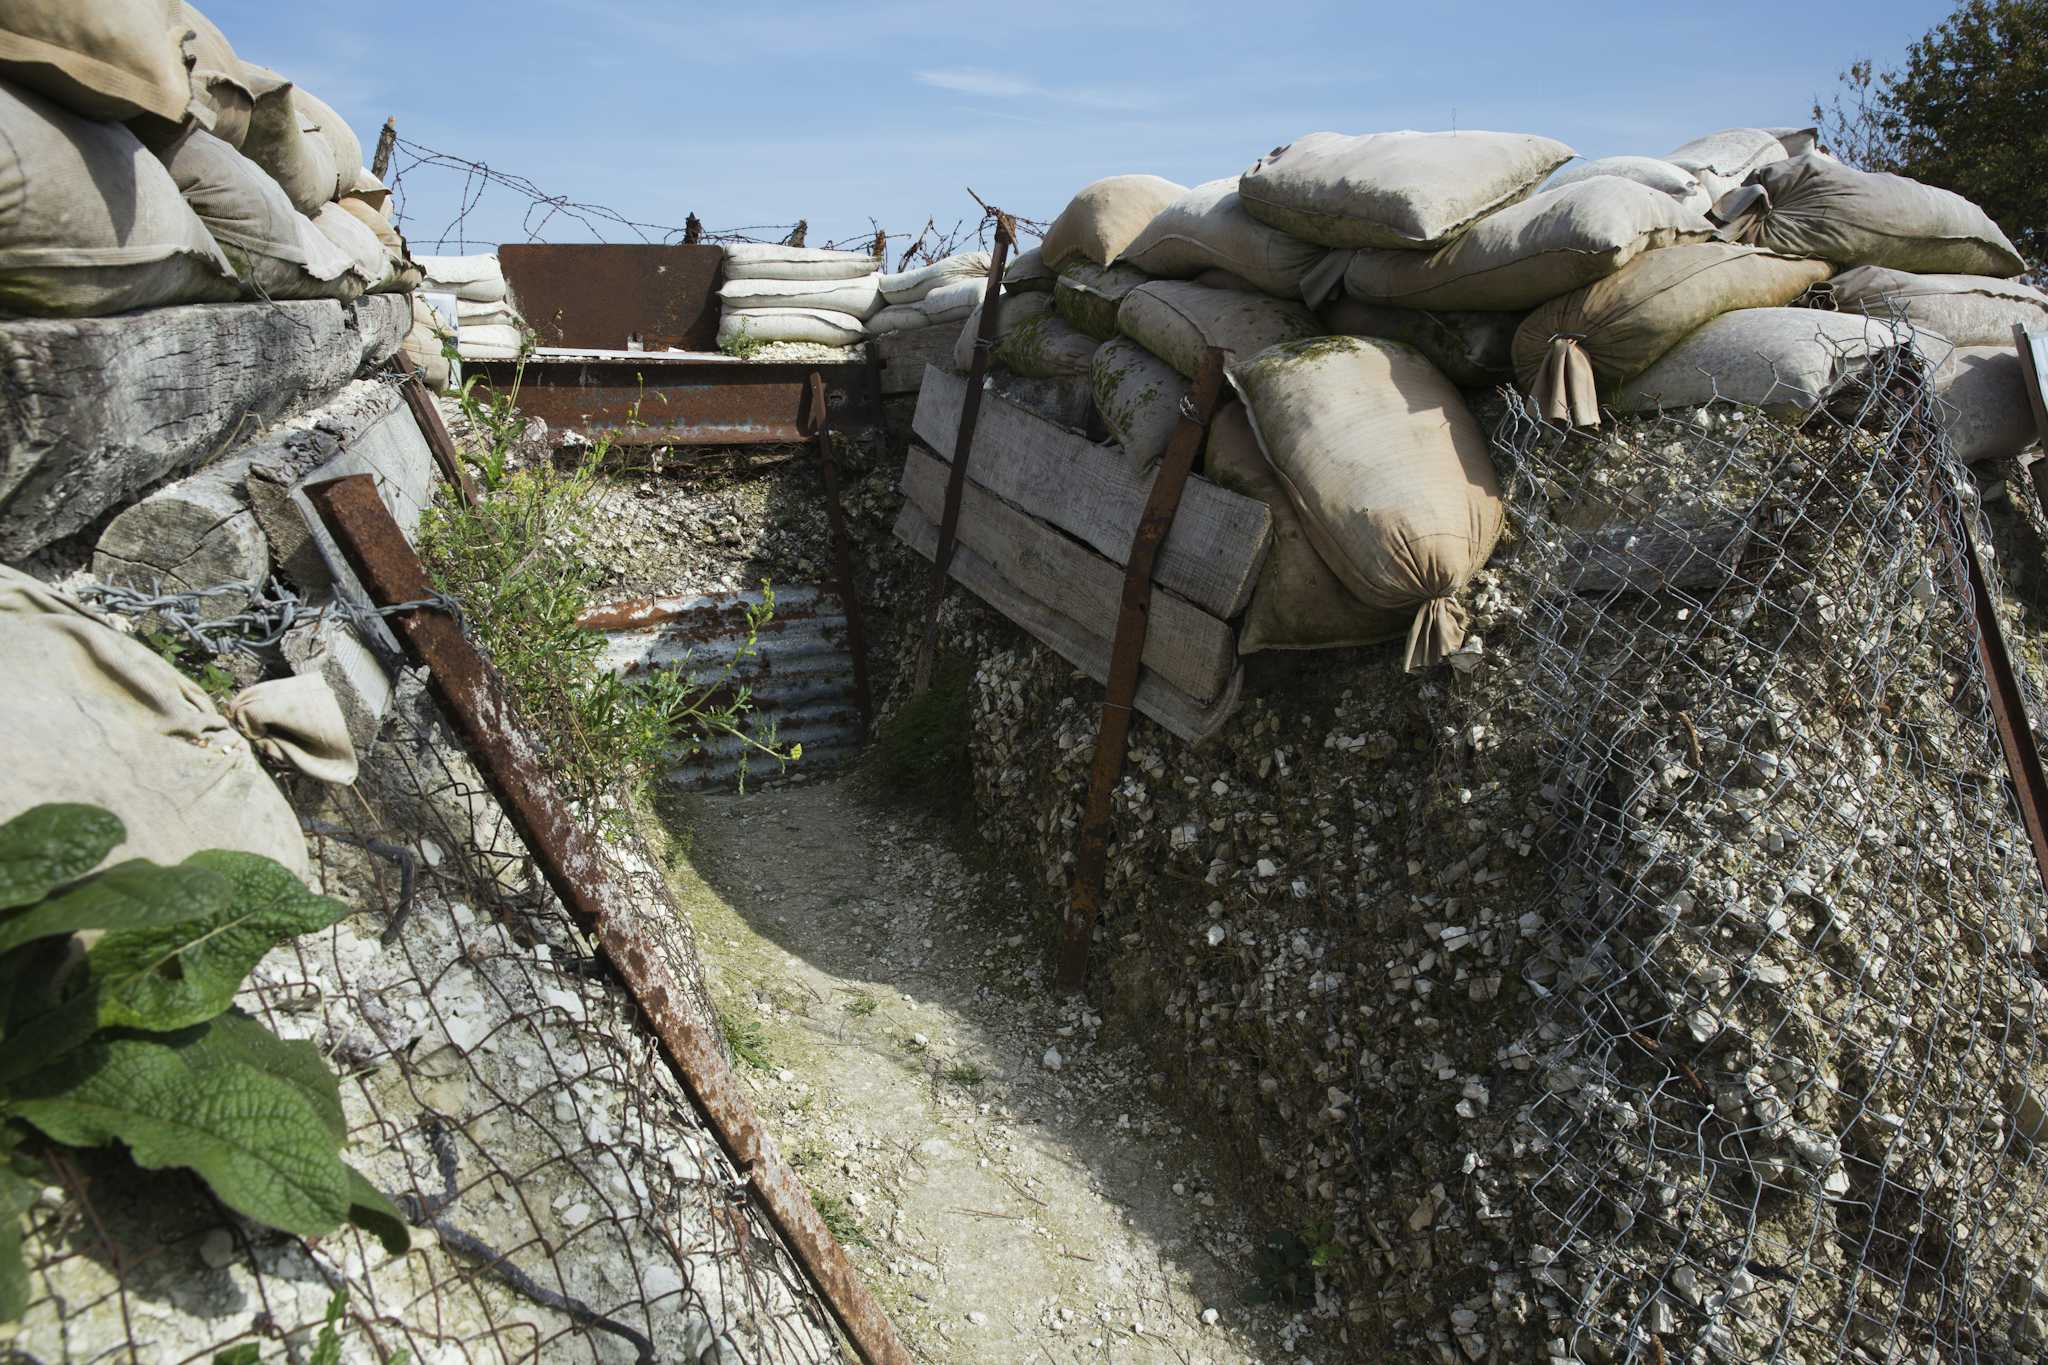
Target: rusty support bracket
{"x": 842, "y": 551}
{"x": 484, "y": 713}
{"x": 428, "y": 415}
{"x": 1084, "y": 905}
{"x": 963, "y": 447}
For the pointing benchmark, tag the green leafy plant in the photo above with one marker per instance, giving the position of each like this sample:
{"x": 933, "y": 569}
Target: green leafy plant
{"x": 742, "y": 343}
{"x": 748, "y": 1041}
{"x": 134, "y": 1040}
{"x": 965, "y": 1074}
{"x": 920, "y": 755}
{"x": 193, "y": 661}
{"x": 839, "y": 1220}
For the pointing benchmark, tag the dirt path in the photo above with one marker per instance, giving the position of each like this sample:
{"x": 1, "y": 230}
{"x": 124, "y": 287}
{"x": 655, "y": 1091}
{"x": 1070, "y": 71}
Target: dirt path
{"x": 897, "y": 1033}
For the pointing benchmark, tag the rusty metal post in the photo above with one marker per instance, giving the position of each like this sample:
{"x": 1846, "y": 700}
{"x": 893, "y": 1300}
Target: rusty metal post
{"x": 963, "y": 446}
{"x": 881, "y": 246}
{"x": 477, "y": 702}
{"x": 798, "y": 233}
{"x": 693, "y": 231}
{"x": 1091, "y": 864}
{"x": 842, "y": 551}
{"x": 386, "y": 142}
{"x": 428, "y": 415}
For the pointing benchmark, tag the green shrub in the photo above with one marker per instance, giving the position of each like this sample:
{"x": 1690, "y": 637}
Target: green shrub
{"x": 920, "y": 753}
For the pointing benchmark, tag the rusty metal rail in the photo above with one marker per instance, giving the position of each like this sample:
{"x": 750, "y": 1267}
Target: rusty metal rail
{"x": 483, "y": 712}
{"x": 428, "y": 415}
{"x": 1084, "y": 905}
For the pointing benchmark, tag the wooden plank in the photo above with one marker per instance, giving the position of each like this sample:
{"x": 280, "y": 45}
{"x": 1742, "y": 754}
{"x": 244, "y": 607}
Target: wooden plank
{"x": 1184, "y": 645}
{"x": 904, "y": 355}
{"x": 1172, "y": 708}
{"x": 1219, "y": 540}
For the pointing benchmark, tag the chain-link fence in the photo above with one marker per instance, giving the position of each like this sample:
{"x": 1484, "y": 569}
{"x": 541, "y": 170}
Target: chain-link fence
{"x": 1791, "y": 1039}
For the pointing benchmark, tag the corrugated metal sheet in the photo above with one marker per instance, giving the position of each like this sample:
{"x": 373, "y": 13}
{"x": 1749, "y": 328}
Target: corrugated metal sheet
{"x": 800, "y": 674}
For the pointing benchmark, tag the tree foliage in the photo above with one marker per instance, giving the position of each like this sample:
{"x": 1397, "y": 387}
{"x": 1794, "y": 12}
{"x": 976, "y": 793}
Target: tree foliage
{"x": 1968, "y": 111}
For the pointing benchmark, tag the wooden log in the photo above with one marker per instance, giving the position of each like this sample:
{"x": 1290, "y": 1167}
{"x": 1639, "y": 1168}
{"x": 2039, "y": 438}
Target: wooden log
{"x": 1184, "y": 645}
{"x": 1218, "y": 543}
{"x": 1172, "y": 708}
{"x": 1652, "y": 559}
{"x": 196, "y": 534}
{"x": 381, "y": 322}
{"x": 905, "y": 354}
{"x": 94, "y": 411}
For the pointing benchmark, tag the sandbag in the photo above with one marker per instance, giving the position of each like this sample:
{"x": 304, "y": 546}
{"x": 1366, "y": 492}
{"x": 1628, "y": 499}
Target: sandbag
{"x": 297, "y": 723}
{"x": 478, "y": 279}
{"x": 1208, "y": 229}
{"x": 1139, "y": 396}
{"x": 1402, "y": 190}
{"x": 861, "y": 297}
{"x": 1787, "y": 361}
{"x": 951, "y": 302}
{"x": 1104, "y": 218}
{"x": 1989, "y": 415}
{"x": 274, "y": 249}
{"x": 1474, "y": 350}
{"x": 486, "y": 315}
{"x": 490, "y": 343}
{"x": 1176, "y": 321}
{"x": 1015, "y": 312}
{"x": 372, "y": 191}
{"x": 1045, "y": 347}
{"x": 92, "y": 715}
{"x": 1970, "y": 310}
{"x": 1815, "y": 206}
{"x": 1665, "y": 177}
{"x": 1088, "y": 296}
{"x": 406, "y": 275}
{"x": 221, "y": 99}
{"x": 1721, "y": 161}
{"x": 1027, "y": 273}
{"x": 1389, "y": 472}
{"x": 1224, "y": 279}
{"x": 759, "y": 261}
{"x": 277, "y": 141}
{"x": 91, "y": 223}
{"x": 111, "y": 60}
{"x": 362, "y": 246}
{"x": 1596, "y": 338}
{"x": 908, "y": 286}
{"x": 1298, "y": 602}
{"x": 423, "y": 346}
{"x": 346, "y": 149}
{"x": 898, "y": 317}
{"x": 818, "y": 326}
{"x": 1549, "y": 244}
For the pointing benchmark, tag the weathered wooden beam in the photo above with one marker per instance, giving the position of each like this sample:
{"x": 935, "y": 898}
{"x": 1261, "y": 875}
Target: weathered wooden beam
{"x": 1652, "y": 559}
{"x": 905, "y": 354}
{"x": 1172, "y": 708}
{"x": 1185, "y": 645}
{"x": 1219, "y": 540}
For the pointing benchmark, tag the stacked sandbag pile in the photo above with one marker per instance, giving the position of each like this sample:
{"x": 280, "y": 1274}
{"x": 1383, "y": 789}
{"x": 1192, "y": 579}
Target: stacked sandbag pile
{"x": 1366, "y": 288}
{"x": 945, "y": 291}
{"x": 147, "y": 165}
{"x": 795, "y": 293}
{"x": 488, "y": 324}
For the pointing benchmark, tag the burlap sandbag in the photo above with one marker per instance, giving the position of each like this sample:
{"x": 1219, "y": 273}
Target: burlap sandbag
{"x": 1574, "y": 348}
{"x": 1988, "y": 414}
{"x": 820, "y": 326}
{"x": 1047, "y": 348}
{"x": 275, "y": 250}
{"x": 1176, "y": 321}
{"x": 1721, "y": 161}
{"x": 1786, "y": 361}
{"x": 1529, "y": 253}
{"x": 91, "y": 223}
{"x": 1666, "y": 177}
{"x": 424, "y": 345}
{"x": 1970, "y": 310}
{"x": 1017, "y": 311}
{"x": 898, "y": 317}
{"x": 1104, "y": 218}
{"x": 755, "y": 261}
{"x": 1139, "y": 397}
{"x": 221, "y": 99}
{"x": 1400, "y": 190}
{"x": 94, "y": 716}
{"x": 1224, "y": 279}
{"x": 1815, "y": 206}
{"x": 1389, "y": 472}
{"x": 1027, "y": 273}
{"x": 1474, "y": 350}
{"x": 100, "y": 59}
{"x": 908, "y": 286}
{"x": 372, "y": 191}
{"x": 362, "y": 246}
{"x": 1208, "y": 229}
{"x": 861, "y": 296}
{"x": 499, "y": 341}
{"x": 406, "y": 274}
{"x": 346, "y": 149}
{"x": 478, "y": 279}
{"x": 300, "y": 161}
{"x": 297, "y": 723}
{"x": 1089, "y": 295}
{"x": 1298, "y": 602}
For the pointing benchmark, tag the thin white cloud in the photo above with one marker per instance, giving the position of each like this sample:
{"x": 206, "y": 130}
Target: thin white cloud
{"x": 984, "y": 83}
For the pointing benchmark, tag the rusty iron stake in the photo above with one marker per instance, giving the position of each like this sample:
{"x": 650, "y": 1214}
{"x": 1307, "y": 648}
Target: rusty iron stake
{"x": 428, "y": 415}
{"x": 842, "y": 551}
{"x": 484, "y": 713}
{"x": 963, "y": 445}
{"x": 2008, "y": 705}
{"x": 1091, "y": 864}
{"x": 386, "y": 142}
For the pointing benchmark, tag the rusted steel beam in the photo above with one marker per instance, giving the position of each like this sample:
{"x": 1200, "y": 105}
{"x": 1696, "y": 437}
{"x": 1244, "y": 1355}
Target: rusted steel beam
{"x": 427, "y": 414}
{"x": 842, "y": 552}
{"x": 594, "y": 296}
{"x": 483, "y": 711}
{"x": 963, "y": 447}
{"x": 1084, "y": 905}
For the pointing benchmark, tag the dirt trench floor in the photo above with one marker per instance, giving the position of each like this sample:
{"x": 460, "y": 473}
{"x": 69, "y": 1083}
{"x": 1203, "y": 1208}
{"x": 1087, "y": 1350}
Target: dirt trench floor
{"x": 1012, "y": 1188}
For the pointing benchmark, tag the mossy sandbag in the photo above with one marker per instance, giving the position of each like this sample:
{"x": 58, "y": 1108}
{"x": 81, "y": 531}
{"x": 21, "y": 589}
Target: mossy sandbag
{"x": 1176, "y": 321}
{"x": 1104, "y": 218}
{"x": 1208, "y": 229}
{"x": 1139, "y": 397}
{"x": 1088, "y": 296}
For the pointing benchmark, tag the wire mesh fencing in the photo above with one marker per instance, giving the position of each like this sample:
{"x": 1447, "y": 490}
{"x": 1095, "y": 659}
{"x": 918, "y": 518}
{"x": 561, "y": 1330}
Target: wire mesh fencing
{"x": 568, "y": 1203}
{"x": 1792, "y": 1073}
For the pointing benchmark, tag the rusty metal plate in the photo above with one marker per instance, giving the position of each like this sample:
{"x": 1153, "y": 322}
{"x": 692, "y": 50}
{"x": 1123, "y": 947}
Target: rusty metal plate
{"x": 599, "y": 295}
{"x": 685, "y": 399}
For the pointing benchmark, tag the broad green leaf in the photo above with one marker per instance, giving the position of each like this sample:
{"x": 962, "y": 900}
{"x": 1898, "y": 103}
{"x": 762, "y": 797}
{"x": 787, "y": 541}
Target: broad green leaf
{"x": 238, "y": 1038}
{"x": 137, "y": 896}
{"x": 47, "y": 846}
{"x": 257, "y": 1140}
{"x": 169, "y": 978}
{"x": 327, "y": 1350}
{"x": 17, "y": 1196}
{"x": 42, "y": 1040}
{"x": 248, "y": 1353}
{"x": 369, "y": 1210}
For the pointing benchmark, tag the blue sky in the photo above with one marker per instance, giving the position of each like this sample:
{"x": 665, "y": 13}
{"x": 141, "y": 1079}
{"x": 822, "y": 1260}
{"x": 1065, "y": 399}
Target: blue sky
{"x": 755, "y": 114}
